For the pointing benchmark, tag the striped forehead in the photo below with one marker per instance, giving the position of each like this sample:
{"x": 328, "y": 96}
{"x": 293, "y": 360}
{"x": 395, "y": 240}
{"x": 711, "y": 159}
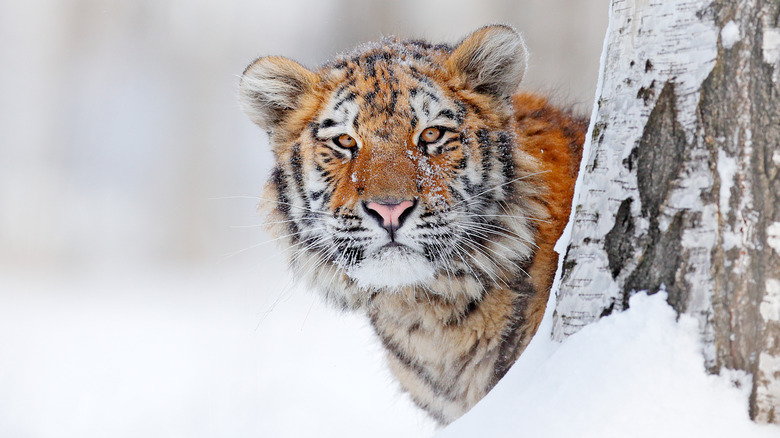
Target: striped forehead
{"x": 432, "y": 108}
{"x": 409, "y": 98}
{"x": 339, "y": 114}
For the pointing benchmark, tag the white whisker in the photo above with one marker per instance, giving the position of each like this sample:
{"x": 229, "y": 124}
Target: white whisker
{"x": 509, "y": 216}
{"x": 501, "y": 255}
{"x": 459, "y": 251}
{"x": 498, "y": 187}
{"x": 233, "y": 254}
{"x": 276, "y": 201}
{"x": 495, "y": 230}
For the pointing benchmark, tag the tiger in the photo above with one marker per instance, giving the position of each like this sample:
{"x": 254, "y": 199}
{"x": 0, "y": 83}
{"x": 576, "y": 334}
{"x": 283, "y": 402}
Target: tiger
{"x": 414, "y": 183}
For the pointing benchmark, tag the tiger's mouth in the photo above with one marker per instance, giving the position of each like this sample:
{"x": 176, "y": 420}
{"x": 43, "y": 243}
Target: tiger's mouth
{"x": 386, "y": 251}
{"x": 393, "y": 244}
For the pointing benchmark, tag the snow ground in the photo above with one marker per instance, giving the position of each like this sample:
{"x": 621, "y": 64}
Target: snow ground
{"x": 240, "y": 351}
{"x": 225, "y": 352}
{"x": 234, "y": 351}
{"x": 634, "y": 374}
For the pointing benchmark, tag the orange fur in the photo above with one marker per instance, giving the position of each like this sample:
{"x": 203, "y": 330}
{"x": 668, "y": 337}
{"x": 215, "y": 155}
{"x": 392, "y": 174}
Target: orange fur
{"x": 555, "y": 139}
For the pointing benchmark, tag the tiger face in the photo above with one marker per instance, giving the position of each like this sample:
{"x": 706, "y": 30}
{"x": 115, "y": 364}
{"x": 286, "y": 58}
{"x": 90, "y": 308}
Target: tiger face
{"x": 396, "y": 168}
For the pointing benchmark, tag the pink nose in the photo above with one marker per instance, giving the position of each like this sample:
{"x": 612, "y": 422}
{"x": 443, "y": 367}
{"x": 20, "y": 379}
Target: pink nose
{"x": 390, "y": 213}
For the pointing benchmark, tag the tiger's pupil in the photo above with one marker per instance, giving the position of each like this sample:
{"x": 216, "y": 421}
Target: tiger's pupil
{"x": 430, "y": 135}
{"x": 346, "y": 141}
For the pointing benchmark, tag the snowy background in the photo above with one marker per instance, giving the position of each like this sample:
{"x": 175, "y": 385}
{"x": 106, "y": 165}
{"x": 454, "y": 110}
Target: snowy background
{"x": 137, "y": 297}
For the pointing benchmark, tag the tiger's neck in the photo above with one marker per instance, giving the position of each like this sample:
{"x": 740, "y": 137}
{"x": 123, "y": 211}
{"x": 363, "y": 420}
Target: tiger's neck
{"x": 449, "y": 354}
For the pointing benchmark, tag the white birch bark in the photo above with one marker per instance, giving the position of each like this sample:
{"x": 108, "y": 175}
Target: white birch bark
{"x": 680, "y": 189}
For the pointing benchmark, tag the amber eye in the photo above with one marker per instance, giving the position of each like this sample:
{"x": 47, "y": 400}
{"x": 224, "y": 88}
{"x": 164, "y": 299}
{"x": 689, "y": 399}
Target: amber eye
{"x": 429, "y": 135}
{"x": 345, "y": 141}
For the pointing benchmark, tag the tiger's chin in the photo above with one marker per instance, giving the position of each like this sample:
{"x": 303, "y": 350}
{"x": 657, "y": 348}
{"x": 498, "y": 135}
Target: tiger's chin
{"x": 392, "y": 268}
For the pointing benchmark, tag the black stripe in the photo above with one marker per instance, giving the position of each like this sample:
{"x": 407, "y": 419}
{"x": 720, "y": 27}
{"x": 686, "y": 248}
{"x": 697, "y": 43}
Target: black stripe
{"x": 296, "y": 164}
{"x": 505, "y": 147}
{"x": 338, "y": 65}
{"x": 421, "y": 77}
{"x": 348, "y": 98}
{"x": 462, "y": 111}
{"x": 465, "y": 359}
{"x": 515, "y": 334}
{"x": 279, "y": 180}
{"x": 443, "y": 236}
{"x": 315, "y": 131}
{"x": 430, "y": 94}
{"x": 393, "y": 101}
{"x": 429, "y": 225}
{"x": 352, "y": 239}
{"x": 436, "y": 414}
{"x": 353, "y": 230}
{"x": 439, "y": 389}
{"x": 455, "y": 194}
{"x": 472, "y": 190}
{"x": 446, "y": 113}
{"x": 431, "y": 251}
{"x": 441, "y": 147}
{"x": 485, "y": 148}
{"x": 347, "y": 249}
{"x": 283, "y": 205}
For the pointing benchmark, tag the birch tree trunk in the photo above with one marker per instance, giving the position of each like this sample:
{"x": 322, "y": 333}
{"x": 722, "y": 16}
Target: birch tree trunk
{"x": 681, "y": 185}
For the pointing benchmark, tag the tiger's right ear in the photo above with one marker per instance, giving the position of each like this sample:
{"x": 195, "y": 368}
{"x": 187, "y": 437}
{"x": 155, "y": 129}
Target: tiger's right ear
{"x": 492, "y": 60}
{"x": 271, "y": 87}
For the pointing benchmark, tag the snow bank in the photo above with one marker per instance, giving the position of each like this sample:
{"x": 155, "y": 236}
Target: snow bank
{"x": 634, "y": 374}
{"x": 243, "y": 352}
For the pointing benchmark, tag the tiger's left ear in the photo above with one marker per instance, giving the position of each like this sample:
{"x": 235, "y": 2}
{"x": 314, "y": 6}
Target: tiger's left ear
{"x": 271, "y": 88}
{"x": 492, "y": 60}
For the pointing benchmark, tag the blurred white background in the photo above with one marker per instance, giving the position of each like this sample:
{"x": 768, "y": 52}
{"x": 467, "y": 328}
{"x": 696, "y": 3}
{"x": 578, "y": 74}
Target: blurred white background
{"x": 127, "y": 177}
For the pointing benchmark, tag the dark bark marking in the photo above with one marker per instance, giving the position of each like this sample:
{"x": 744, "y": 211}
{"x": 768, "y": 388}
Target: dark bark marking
{"x": 646, "y": 94}
{"x": 619, "y": 241}
{"x": 659, "y": 162}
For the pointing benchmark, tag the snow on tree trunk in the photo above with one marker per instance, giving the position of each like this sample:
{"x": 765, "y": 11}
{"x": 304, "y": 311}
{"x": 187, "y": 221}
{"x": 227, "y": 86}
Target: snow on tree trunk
{"x": 680, "y": 189}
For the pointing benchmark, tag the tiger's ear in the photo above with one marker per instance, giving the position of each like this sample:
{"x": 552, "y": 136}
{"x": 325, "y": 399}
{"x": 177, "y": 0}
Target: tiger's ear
{"x": 271, "y": 87}
{"x": 492, "y": 60}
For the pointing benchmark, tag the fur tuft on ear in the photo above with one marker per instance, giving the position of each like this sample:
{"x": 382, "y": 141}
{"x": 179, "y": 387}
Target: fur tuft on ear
{"x": 271, "y": 87}
{"x": 492, "y": 60}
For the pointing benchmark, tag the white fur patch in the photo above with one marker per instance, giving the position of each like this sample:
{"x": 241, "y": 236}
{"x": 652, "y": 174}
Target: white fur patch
{"x": 392, "y": 268}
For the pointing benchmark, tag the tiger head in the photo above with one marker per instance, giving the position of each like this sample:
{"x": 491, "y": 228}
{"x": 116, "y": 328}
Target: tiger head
{"x": 396, "y": 166}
